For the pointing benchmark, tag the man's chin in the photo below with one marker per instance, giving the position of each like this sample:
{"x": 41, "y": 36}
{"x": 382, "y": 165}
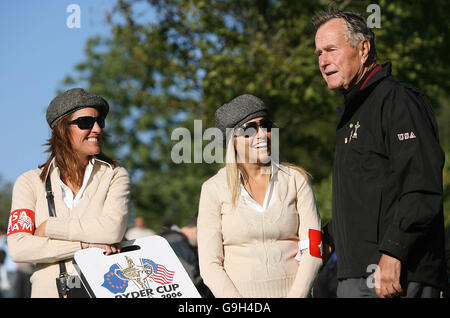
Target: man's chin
{"x": 334, "y": 86}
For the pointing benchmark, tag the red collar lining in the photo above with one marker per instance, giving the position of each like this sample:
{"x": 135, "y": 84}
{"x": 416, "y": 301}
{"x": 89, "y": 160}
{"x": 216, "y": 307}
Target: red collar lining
{"x": 376, "y": 69}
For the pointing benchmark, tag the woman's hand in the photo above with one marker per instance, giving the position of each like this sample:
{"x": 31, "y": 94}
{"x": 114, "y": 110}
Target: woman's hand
{"x": 109, "y": 249}
{"x": 40, "y": 230}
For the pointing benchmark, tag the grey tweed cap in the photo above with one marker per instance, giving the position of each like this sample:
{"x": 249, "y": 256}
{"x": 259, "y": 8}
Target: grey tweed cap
{"x": 238, "y": 111}
{"x": 72, "y": 100}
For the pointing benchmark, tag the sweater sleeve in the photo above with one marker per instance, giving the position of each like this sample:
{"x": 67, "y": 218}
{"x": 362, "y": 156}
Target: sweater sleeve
{"x": 24, "y": 247}
{"x": 107, "y": 228}
{"x": 416, "y": 161}
{"x": 210, "y": 244}
{"x": 309, "y": 265}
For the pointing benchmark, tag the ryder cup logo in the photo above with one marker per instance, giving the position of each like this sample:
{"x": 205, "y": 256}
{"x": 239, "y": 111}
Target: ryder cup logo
{"x": 142, "y": 276}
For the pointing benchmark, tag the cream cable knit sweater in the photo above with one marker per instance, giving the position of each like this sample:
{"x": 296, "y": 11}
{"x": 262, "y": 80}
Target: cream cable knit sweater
{"x": 245, "y": 253}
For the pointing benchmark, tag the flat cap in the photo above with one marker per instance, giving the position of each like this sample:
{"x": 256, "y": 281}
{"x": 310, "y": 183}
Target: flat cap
{"x": 238, "y": 111}
{"x": 72, "y": 100}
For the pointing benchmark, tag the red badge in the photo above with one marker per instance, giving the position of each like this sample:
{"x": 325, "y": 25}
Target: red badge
{"x": 21, "y": 220}
{"x": 315, "y": 243}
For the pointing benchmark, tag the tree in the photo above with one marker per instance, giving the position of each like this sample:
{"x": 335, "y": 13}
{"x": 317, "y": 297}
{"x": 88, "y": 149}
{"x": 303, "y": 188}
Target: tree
{"x": 165, "y": 72}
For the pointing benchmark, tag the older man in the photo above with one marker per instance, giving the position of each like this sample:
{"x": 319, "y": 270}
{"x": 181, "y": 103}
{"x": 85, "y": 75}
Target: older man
{"x": 387, "y": 174}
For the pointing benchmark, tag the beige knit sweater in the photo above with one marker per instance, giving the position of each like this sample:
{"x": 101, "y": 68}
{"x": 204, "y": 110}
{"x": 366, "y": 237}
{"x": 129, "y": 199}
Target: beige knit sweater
{"x": 100, "y": 217}
{"x": 245, "y": 253}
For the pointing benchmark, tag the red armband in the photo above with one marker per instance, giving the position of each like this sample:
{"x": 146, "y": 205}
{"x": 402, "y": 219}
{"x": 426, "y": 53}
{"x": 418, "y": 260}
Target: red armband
{"x": 315, "y": 243}
{"x": 21, "y": 220}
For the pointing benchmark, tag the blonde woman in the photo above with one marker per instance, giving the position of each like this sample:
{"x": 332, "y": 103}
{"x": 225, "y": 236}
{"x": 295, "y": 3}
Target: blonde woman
{"x": 259, "y": 231}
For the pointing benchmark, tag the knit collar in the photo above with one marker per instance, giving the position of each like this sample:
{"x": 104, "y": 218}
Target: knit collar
{"x": 274, "y": 167}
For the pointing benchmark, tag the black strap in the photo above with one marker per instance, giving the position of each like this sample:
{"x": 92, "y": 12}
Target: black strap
{"x": 52, "y": 212}
{"x": 50, "y": 201}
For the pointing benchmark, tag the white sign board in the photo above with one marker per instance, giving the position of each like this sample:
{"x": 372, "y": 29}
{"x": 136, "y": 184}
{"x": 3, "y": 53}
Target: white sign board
{"x": 146, "y": 268}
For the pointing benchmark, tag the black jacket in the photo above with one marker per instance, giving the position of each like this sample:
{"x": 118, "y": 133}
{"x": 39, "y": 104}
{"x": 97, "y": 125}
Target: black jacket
{"x": 387, "y": 181}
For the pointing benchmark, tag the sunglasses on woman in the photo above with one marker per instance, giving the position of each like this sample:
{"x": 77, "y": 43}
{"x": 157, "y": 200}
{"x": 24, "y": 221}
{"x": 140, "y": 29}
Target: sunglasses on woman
{"x": 87, "y": 122}
{"x": 251, "y": 129}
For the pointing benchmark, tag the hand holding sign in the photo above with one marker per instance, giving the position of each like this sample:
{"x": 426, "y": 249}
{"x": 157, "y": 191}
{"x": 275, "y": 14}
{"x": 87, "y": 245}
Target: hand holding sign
{"x": 151, "y": 269}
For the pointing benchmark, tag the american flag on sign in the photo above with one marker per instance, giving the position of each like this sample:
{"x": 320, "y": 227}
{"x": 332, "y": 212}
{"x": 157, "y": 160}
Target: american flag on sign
{"x": 160, "y": 274}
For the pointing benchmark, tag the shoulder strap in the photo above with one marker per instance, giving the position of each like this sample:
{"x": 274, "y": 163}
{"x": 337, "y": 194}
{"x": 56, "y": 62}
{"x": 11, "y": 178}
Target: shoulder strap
{"x": 50, "y": 201}
{"x": 52, "y": 212}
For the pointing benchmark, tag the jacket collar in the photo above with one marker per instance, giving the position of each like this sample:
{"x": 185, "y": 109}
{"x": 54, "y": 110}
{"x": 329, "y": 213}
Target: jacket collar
{"x": 355, "y": 96}
{"x": 93, "y": 161}
{"x": 363, "y": 87}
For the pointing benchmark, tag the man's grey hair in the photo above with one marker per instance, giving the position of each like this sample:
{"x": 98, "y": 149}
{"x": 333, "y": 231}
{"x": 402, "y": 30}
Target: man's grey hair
{"x": 356, "y": 25}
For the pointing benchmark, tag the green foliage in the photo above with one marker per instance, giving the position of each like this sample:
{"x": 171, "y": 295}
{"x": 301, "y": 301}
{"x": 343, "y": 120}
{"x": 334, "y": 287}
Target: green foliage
{"x": 443, "y": 118}
{"x": 162, "y": 73}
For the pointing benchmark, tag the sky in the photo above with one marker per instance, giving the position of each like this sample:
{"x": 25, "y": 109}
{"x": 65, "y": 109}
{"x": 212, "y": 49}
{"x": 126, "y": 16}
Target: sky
{"x": 38, "y": 50}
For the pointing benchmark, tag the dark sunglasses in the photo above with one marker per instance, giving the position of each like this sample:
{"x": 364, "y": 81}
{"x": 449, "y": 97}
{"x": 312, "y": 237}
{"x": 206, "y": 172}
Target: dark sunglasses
{"x": 251, "y": 129}
{"x": 87, "y": 122}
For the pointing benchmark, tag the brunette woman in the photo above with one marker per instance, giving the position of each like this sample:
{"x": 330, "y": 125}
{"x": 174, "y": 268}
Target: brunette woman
{"x": 90, "y": 195}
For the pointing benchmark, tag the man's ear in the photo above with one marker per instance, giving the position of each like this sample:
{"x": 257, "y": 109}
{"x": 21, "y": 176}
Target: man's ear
{"x": 364, "y": 49}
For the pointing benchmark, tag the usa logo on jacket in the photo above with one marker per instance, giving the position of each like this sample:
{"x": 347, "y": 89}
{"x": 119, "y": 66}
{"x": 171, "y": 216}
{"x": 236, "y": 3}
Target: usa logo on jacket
{"x": 406, "y": 136}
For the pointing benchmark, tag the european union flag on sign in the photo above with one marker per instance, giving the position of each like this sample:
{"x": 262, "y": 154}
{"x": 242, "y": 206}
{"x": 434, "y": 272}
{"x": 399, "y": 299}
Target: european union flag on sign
{"x": 112, "y": 282}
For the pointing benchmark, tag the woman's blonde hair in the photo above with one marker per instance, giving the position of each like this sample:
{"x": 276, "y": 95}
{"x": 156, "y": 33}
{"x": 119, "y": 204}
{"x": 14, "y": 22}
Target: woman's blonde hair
{"x": 234, "y": 170}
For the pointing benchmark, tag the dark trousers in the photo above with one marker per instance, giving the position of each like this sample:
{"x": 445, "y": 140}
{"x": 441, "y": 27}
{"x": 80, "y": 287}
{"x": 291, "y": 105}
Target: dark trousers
{"x": 359, "y": 288}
